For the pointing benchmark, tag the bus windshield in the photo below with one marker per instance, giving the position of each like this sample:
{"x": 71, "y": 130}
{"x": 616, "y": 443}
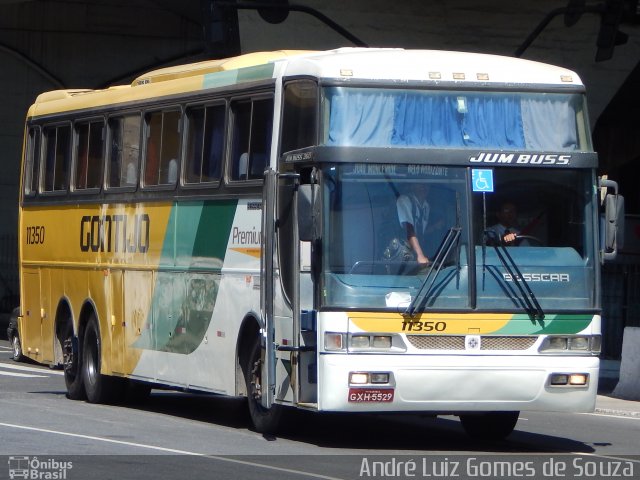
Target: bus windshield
{"x": 368, "y": 262}
{"x": 387, "y": 117}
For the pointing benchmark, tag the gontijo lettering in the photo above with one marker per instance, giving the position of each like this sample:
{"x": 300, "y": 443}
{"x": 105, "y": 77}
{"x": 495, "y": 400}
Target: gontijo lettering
{"x": 115, "y": 233}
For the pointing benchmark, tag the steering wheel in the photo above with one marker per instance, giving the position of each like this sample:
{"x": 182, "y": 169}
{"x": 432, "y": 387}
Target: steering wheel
{"x": 536, "y": 240}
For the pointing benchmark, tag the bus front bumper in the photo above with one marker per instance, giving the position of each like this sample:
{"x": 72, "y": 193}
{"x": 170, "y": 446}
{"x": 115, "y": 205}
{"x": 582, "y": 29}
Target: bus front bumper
{"x": 456, "y": 383}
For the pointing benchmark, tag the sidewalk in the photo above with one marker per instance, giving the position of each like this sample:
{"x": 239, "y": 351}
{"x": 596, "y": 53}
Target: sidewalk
{"x": 605, "y": 403}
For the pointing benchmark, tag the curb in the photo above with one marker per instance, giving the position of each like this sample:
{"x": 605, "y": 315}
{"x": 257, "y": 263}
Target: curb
{"x": 617, "y": 413}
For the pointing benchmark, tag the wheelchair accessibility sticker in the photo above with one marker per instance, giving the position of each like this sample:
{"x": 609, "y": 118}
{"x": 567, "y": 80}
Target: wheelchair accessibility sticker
{"x": 482, "y": 180}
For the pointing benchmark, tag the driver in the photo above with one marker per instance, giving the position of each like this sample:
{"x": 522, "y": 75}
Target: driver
{"x": 506, "y": 229}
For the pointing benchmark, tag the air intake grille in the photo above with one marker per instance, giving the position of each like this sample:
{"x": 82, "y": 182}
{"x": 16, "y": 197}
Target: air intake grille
{"x": 456, "y": 342}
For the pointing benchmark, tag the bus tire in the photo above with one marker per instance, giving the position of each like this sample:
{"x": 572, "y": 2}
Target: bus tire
{"x": 16, "y": 348}
{"x": 490, "y": 425}
{"x": 98, "y": 387}
{"x": 13, "y": 335}
{"x": 72, "y": 364}
{"x": 264, "y": 420}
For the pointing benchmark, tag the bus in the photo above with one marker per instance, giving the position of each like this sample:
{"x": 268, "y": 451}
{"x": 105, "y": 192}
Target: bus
{"x": 232, "y": 227}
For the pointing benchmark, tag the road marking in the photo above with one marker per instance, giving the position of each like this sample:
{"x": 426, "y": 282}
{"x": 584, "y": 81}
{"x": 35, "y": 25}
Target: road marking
{"x": 45, "y": 371}
{"x": 8, "y": 349}
{"x": 171, "y": 450}
{"x": 612, "y": 413}
{"x": 21, "y": 375}
{"x": 607, "y": 457}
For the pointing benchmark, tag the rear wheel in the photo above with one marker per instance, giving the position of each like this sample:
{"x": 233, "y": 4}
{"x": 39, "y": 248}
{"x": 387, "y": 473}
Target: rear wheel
{"x": 14, "y": 336}
{"x": 264, "y": 420}
{"x": 16, "y": 347}
{"x": 99, "y": 388}
{"x": 490, "y": 425}
{"x": 72, "y": 364}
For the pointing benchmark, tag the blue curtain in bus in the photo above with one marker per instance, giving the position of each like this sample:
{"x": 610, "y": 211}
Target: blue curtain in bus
{"x": 434, "y": 119}
{"x": 361, "y": 118}
{"x": 452, "y": 121}
{"x": 549, "y": 123}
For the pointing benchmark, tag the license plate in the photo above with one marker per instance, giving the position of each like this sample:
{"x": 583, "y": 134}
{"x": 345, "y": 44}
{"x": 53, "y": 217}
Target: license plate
{"x": 362, "y": 395}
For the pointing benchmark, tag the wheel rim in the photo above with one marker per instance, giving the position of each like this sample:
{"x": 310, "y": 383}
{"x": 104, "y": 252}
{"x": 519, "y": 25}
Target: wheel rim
{"x": 256, "y": 386}
{"x": 91, "y": 360}
{"x": 17, "y": 350}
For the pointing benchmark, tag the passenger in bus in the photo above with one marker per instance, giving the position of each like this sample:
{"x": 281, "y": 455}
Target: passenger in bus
{"x": 172, "y": 175}
{"x": 506, "y": 230}
{"x": 413, "y": 214}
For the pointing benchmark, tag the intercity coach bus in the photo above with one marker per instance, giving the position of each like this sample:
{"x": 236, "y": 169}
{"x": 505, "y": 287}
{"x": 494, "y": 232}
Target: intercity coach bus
{"x": 232, "y": 227}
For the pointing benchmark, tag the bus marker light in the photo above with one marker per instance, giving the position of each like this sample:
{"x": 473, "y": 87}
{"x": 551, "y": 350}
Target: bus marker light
{"x": 334, "y": 341}
{"x": 358, "y": 378}
{"x": 579, "y": 379}
{"x": 379, "y": 377}
{"x": 559, "y": 379}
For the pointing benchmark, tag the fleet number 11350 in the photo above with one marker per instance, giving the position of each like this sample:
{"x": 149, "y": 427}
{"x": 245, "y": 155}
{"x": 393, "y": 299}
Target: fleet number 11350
{"x": 35, "y": 235}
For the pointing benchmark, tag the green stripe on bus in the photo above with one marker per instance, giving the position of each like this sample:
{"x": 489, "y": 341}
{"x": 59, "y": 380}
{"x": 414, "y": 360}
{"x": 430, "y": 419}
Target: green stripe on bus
{"x": 522, "y": 324}
{"x": 232, "y": 77}
{"x": 184, "y": 295}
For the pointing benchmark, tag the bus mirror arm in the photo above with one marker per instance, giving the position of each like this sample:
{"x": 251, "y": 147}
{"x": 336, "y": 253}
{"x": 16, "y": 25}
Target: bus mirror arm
{"x": 291, "y": 348}
{"x": 612, "y": 222}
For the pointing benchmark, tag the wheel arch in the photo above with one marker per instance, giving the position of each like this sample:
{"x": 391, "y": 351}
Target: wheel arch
{"x": 247, "y": 335}
{"x": 64, "y": 317}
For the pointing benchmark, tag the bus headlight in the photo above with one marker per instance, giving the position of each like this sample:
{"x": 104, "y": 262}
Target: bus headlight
{"x": 368, "y": 342}
{"x": 360, "y": 341}
{"x": 381, "y": 341}
{"x": 589, "y": 344}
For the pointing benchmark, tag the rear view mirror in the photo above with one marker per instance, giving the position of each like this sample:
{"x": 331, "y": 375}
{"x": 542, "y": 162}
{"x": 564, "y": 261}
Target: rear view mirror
{"x": 307, "y": 212}
{"x": 613, "y": 228}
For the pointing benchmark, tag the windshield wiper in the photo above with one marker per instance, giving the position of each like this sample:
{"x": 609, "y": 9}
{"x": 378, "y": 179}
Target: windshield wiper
{"x": 532, "y": 307}
{"x": 450, "y": 239}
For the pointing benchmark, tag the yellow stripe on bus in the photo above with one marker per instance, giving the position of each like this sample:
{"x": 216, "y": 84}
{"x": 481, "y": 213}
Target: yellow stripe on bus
{"x": 253, "y": 252}
{"x": 432, "y": 323}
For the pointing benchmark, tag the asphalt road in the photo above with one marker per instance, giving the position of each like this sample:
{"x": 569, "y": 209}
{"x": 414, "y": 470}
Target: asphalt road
{"x": 182, "y": 435}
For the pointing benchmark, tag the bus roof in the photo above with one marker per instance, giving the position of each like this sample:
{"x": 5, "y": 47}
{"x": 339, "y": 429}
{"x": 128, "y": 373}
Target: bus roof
{"x": 431, "y": 67}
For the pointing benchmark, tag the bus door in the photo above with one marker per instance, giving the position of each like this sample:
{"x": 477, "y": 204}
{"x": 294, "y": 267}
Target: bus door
{"x": 31, "y": 324}
{"x": 294, "y": 263}
{"x": 267, "y": 288}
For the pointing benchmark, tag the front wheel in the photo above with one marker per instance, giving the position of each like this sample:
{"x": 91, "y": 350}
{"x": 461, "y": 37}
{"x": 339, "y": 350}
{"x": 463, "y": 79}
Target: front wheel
{"x": 490, "y": 425}
{"x": 264, "y": 420}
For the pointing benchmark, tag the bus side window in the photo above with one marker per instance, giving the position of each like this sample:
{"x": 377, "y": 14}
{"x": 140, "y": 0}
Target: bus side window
{"x": 31, "y": 161}
{"x": 205, "y": 144}
{"x": 162, "y": 147}
{"x": 57, "y": 157}
{"x": 89, "y": 155}
{"x": 300, "y": 114}
{"x": 252, "y": 128}
{"x": 123, "y": 155}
